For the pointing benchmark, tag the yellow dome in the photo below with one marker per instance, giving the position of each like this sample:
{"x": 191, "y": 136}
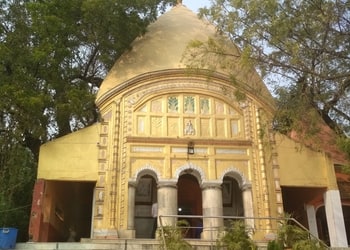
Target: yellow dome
{"x": 162, "y": 48}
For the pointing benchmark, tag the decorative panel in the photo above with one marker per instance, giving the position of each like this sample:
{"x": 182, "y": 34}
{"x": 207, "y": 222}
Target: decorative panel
{"x": 173, "y": 104}
{"x": 233, "y": 111}
{"x": 156, "y": 106}
{"x": 143, "y": 109}
{"x": 204, "y": 106}
{"x": 104, "y": 129}
{"x": 234, "y": 127}
{"x": 143, "y": 149}
{"x": 205, "y": 127}
{"x": 189, "y": 105}
{"x": 141, "y": 125}
{"x": 189, "y": 127}
{"x": 219, "y": 108}
{"x": 231, "y": 151}
{"x": 103, "y": 140}
{"x": 173, "y": 126}
{"x": 156, "y": 125}
{"x": 188, "y": 115}
{"x": 220, "y": 127}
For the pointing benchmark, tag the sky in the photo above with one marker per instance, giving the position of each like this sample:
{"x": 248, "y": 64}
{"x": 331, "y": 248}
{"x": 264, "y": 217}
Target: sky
{"x": 194, "y": 5}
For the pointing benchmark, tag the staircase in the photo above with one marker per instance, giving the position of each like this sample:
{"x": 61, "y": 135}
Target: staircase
{"x": 121, "y": 244}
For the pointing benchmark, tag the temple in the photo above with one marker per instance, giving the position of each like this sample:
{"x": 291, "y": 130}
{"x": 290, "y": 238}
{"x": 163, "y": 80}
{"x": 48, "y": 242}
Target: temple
{"x": 196, "y": 140}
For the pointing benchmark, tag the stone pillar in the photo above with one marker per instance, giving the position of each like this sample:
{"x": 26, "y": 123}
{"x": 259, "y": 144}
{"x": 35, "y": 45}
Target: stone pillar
{"x": 311, "y": 219}
{"x": 131, "y": 208}
{"x": 167, "y": 202}
{"x": 212, "y": 207}
{"x": 335, "y": 219}
{"x": 248, "y": 205}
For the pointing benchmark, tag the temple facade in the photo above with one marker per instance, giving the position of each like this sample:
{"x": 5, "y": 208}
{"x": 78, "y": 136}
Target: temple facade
{"x": 195, "y": 140}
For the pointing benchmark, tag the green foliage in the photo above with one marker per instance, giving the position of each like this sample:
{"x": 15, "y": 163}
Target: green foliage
{"x": 274, "y": 245}
{"x": 173, "y": 238}
{"x": 236, "y": 237}
{"x": 301, "y": 49}
{"x": 54, "y": 55}
{"x": 17, "y": 172}
{"x": 289, "y": 234}
{"x": 295, "y": 237}
{"x": 307, "y": 245}
{"x": 344, "y": 144}
{"x": 302, "y": 118}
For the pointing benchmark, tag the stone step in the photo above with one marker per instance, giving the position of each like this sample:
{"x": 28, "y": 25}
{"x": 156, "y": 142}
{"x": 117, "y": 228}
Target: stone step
{"x": 122, "y": 244}
{"x": 127, "y": 244}
{"x": 115, "y": 245}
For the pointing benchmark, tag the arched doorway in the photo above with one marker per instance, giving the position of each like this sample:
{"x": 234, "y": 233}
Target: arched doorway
{"x": 145, "y": 196}
{"x": 190, "y": 202}
{"x": 232, "y": 199}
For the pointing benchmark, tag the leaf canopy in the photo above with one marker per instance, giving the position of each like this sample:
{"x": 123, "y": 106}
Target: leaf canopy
{"x": 301, "y": 49}
{"x": 54, "y": 55}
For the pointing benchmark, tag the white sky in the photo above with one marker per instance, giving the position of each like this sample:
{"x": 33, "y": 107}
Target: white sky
{"x": 194, "y": 5}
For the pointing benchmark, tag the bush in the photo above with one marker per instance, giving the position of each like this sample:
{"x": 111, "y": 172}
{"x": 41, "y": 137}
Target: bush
{"x": 172, "y": 238}
{"x": 274, "y": 245}
{"x": 292, "y": 236}
{"x": 236, "y": 238}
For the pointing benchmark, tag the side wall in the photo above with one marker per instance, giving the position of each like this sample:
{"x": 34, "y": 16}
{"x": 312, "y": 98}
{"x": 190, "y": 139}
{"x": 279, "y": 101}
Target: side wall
{"x": 301, "y": 166}
{"x": 72, "y": 157}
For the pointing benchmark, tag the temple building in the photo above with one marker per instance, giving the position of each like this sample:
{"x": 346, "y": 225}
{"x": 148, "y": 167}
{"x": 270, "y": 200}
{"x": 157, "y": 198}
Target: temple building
{"x": 195, "y": 139}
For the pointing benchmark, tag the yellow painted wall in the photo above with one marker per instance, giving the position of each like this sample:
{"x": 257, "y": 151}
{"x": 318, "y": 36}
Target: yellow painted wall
{"x": 300, "y": 165}
{"x": 72, "y": 157}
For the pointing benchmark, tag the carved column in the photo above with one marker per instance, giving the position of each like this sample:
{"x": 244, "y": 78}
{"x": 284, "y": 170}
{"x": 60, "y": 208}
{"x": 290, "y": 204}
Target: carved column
{"x": 248, "y": 204}
{"x": 212, "y": 210}
{"x": 167, "y": 202}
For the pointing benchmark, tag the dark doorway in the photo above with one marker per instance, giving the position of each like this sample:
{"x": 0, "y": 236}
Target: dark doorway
{"x": 232, "y": 199}
{"x": 68, "y": 209}
{"x": 322, "y": 225}
{"x": 346, "y": 213}
{"x": 190, "y": 202}
{"x": 295, "y": 198}
{"x": 145, "y": 196}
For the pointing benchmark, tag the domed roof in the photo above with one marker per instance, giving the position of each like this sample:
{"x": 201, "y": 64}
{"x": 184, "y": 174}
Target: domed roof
{"x": 162, "y": 48}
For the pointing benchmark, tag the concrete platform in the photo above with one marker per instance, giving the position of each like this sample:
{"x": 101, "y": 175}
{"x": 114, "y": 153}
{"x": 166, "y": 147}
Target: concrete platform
{"x": 99, "y": 245}
{"x": 121, "y": 244}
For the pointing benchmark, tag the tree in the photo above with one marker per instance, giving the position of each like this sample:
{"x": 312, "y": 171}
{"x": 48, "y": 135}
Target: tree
{"x": 54, "y": 55}
{"x": 17, "y": 178}
{"x": 301, "y": 46}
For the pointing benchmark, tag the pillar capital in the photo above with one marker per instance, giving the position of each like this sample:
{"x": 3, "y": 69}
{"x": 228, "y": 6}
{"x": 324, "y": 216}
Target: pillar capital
{"x": 132, "y": 183}
{"x": 211, "y": 185}
{"x": 170, "y": 183}
{"x": 246, "y": 186}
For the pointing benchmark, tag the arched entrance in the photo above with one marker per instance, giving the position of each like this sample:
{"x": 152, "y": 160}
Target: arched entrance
{"x": 232, "y": 199}
{"x": 190, "y": 202}
{"x": 145, "y": 196}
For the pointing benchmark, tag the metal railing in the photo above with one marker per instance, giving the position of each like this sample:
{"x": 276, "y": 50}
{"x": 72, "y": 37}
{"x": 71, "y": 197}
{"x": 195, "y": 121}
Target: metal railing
{"x": 255, "y": 225}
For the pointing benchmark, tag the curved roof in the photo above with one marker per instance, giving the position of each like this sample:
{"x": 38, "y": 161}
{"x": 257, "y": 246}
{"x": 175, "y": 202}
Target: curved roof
{"x": 162, "y": 48}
